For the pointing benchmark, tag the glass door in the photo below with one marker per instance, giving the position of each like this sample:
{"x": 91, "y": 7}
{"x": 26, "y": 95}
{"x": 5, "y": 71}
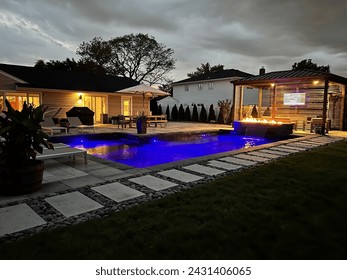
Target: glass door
{"x": 97, "y": 104}
{"x": 126, "y": 106}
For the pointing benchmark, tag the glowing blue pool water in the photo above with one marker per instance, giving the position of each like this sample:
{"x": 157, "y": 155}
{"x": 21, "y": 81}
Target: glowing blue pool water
{"x": 158, "y": 151}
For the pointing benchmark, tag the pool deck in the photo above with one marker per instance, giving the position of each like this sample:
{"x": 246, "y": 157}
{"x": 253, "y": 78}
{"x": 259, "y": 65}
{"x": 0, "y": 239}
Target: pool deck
{"x": 71, "y": 188}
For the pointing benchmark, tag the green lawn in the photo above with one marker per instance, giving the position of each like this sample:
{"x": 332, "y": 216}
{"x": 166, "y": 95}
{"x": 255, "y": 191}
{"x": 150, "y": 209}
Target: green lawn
{"x": 293, "y": 208}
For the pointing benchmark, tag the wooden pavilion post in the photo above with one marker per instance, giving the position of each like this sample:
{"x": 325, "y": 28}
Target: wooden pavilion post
{"x": 325, "y": 105}
{"x": 234, "y": 102}
{"x": 273, "y": 105}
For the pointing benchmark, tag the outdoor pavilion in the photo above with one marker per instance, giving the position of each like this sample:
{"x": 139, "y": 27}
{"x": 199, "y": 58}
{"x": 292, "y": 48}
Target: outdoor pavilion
{"x": 296, "y": 96}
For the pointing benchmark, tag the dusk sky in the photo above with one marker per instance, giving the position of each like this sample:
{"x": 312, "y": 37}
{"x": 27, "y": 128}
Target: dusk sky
{"x": 242, "y": 34}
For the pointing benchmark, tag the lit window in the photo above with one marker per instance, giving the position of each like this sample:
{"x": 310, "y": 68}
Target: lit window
{"x": 210, "y": 85}
{"x": 200, "y": 86}
{"x": 186, "y": 88}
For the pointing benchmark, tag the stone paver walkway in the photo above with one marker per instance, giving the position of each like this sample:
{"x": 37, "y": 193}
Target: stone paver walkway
{"x": 72, "y": 189}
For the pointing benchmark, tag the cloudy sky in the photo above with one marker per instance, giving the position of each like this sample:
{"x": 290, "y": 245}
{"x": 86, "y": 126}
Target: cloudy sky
{"x": 240, "y": 34}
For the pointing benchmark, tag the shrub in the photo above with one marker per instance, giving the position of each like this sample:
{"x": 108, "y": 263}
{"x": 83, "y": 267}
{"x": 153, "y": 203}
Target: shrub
{"x": 160, "y": 110}
{"x": 254, "y": 113}
{"x": 167, "y": 112}
{"x": 181, "y": 113}
{"x": 154, "y": 106}
{"x": 203, "y": 114}
{"x": 174, "y": 113}
{"x": 195, "y": 116}
{"x": 211, "y": 114}
{"x": 224, "y": 110}
{"x": 187, "y": 114}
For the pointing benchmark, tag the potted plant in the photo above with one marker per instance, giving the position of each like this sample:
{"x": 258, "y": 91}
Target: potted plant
{"x": 21, "y": 138}
{"x": 141, "y": 124}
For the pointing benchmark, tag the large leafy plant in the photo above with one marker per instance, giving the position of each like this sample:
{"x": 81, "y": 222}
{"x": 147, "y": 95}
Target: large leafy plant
{"x": 22, "y": 134}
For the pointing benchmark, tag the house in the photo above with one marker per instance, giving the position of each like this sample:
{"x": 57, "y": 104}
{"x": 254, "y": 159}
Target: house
{"x": 64, "y": 90}
{"x": 299, "y": 96}
{"x": 208, "y": 89}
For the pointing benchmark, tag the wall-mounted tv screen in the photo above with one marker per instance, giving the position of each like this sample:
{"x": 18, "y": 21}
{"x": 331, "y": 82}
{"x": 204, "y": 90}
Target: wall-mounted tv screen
{"x": 294, "y": 98}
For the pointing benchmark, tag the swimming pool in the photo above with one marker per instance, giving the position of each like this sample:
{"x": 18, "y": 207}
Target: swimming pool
{"x": 159, "y": 150}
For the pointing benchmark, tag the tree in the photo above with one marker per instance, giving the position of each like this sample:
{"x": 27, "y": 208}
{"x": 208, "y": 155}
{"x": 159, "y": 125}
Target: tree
{"x": 254, "y": 113}
{"x": 203, "y": 114}
{"x": 195, "y": 115}
{"x": 154, "y": 106}
{"x": 307, "y": 64}
{"x": 167, "y": 86}
{"x": 187, "y": 114}
{"x": 181, "y": 113}
{"x": 139, "y": 57}
{"x": 174, "y": 113}
{"x": 206, "y": 69}
{"x": 211, "y": 114}
{"x": 167, "y": 112}
{"x": 160, "y": 110}
{"x": 71, "y": 65}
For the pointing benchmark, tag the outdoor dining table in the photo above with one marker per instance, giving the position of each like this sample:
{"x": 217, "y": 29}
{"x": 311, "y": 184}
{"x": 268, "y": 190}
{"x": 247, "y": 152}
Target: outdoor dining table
{"x": 156, "y": 119}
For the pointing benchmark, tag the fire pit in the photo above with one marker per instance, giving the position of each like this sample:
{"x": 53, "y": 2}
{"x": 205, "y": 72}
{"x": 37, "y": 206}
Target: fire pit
{"x": 263, "y": 128}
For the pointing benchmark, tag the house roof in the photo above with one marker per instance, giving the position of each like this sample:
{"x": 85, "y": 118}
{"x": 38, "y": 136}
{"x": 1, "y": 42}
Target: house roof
{"x": 280, "y": 76}
{"x": 65, "y": 80}
{"x": 223, "y": 74}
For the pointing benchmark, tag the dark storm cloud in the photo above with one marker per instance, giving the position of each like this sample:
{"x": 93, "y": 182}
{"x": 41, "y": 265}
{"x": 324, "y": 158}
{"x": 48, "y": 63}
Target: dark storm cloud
{"x": 239, "y": 34}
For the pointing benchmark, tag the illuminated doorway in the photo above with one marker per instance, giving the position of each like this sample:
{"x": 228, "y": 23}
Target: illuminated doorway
{"x": 97, "y": 104}
{"x": 126, "y": 106}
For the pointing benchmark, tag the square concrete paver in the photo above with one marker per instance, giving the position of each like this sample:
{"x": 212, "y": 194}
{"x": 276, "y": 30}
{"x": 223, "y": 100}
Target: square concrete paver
{"x": 17, "y": 218}
{"x": 152, "y": 182}
{"x": 295, "y": 147}
{"x": 117, "y": 192}
{"x": 261, "y": 154}
{"x": 198, "y": 168}
{"x": 283, "y": 149}
{"x": 56, "y": 171}
{"x": 253, "y": 158}
{"x": 180, "y": 176}
{"x": 268, "y": 151}
{"x": 238, "y": 161}
{"x": 73, "y": 203}
{"x": 224, "y": 165}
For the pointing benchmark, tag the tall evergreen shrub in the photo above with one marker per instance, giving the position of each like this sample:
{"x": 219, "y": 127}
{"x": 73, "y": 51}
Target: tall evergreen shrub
{"x": 203, "y": 114}
{"x": 211, "y": 114}
{"x": 195, "y": 115}
{"x": 181, "y": 113}
{"x": 174, "y": 113}
{"x": 160, "y": 110}
{"x": 168, "y": 112}
{"x": 187, "y": 117}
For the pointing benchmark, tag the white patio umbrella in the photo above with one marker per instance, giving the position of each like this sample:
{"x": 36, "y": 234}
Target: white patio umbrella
{"x": 144, "y": 90}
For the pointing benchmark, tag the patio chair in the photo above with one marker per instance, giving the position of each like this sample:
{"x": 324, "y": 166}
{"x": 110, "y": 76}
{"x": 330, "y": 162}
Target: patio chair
{"x": 49, "y": 125}
{"x": 75, "y": 122}
{"x": 122, "y": 121}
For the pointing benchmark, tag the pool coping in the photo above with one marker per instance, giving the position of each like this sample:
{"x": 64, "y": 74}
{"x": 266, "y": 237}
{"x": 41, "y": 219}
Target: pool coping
{"x": 140, "y": 170}
{"x": 157, "y": 167}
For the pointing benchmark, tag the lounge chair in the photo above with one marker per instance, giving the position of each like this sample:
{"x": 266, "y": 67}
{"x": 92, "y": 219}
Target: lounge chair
{"x": 75, "y": 122}
{"x": 49, "y": 125}
{"x": 62, "y": 152}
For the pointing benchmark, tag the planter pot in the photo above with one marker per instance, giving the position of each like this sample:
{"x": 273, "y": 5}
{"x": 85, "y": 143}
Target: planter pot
{"x": 21, "y": 180}
{"x": 141, "y": 125}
